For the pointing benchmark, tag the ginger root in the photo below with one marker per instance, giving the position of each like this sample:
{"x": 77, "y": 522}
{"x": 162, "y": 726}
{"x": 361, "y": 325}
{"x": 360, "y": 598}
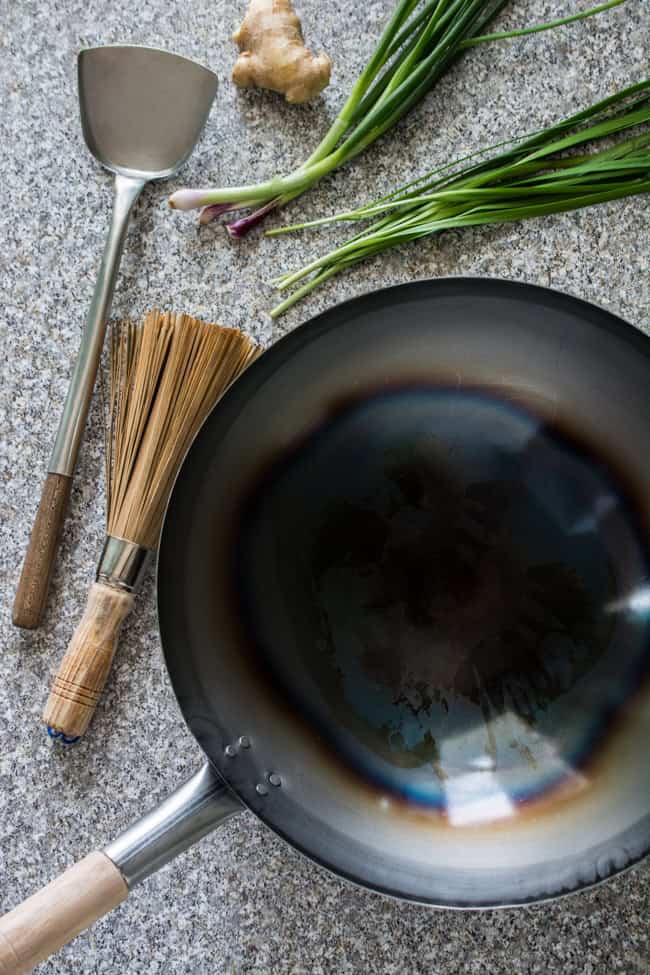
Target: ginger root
{"x": 273, "y": 53}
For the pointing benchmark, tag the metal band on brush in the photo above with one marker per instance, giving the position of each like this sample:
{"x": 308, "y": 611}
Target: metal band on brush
{"x": 122, "y": 563}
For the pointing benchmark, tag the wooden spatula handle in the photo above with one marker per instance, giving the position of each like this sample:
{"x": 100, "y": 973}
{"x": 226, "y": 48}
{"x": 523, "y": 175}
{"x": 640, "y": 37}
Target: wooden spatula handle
{"x": 31, "y": 595}
{"x": 82, "y": 674}
{"x": 56, "y": 914}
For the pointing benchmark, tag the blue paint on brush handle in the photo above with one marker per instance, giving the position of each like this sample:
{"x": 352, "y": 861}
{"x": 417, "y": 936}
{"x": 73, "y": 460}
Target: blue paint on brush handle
{"x": 60, "y": 736}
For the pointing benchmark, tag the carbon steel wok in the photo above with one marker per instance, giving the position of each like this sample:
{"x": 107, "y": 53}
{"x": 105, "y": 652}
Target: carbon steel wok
{"x": 404, "y": 604}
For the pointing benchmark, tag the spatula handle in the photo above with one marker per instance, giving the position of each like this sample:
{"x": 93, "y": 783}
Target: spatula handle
{"x": 80, "y": 679}
{"x": 31, "y": 595}
{"x": 56, "y": 914}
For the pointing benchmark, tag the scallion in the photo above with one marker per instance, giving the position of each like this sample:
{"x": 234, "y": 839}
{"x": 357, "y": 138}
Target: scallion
{"x": 600, "y": 154}
{"x": 413, "y": 52}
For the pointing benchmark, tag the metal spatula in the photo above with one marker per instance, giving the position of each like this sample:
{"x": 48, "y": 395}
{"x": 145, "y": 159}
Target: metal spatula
{"x": 142, "y": 111}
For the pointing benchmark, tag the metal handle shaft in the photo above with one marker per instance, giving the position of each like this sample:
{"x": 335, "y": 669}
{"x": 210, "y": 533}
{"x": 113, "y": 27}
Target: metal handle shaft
{"x": 75, "y": 410}
{"x": 191, "y": 812}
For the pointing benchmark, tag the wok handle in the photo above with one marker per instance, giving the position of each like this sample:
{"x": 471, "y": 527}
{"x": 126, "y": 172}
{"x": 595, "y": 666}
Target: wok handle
{"x": 56, "y": 914}
{"x": 91, "y": 888}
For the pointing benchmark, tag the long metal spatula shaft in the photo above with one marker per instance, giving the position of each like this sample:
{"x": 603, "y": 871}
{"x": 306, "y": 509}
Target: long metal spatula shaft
{"x": 31, "y": 595}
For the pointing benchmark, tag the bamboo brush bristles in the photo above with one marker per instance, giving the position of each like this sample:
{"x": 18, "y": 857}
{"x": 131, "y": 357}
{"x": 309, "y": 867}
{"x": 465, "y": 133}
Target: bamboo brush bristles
{"x": 166, "y": 375}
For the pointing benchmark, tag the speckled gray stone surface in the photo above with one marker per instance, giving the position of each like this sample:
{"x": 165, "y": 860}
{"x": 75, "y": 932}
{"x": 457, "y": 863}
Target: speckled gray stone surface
{"x": 242, "y": 901}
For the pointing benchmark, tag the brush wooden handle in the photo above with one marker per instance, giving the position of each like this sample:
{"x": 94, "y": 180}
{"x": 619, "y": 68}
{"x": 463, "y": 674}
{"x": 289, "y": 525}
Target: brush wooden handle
{"x": 56, "y": 914}
{"x": 80, "y": 679}
{"x": 31, "y": 595}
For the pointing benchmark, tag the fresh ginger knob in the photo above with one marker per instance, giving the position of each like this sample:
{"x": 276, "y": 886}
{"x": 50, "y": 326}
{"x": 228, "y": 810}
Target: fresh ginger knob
{"x": 273, "y": 53}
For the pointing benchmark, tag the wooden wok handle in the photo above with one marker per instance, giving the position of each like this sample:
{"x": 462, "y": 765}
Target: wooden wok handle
{"x": 80, "y": 679}
{"x": 56, "y": 914}
{"x": 31, "y": 595}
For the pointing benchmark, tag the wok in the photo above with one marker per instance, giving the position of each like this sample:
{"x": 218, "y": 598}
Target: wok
{"x": 403, "y": 599}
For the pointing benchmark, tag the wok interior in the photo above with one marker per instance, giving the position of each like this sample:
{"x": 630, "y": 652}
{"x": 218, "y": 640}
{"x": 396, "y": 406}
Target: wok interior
{"x": 443, "y": 587}
{"x": 426, "y": 592}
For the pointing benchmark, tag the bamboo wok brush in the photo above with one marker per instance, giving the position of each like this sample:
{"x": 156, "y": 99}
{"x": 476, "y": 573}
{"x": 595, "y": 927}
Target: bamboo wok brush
{"x": 166, "y": 375}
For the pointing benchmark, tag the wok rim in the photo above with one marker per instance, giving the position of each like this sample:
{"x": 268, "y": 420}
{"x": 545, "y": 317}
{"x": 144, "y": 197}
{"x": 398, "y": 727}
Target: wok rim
{"x": 614, "y": 324}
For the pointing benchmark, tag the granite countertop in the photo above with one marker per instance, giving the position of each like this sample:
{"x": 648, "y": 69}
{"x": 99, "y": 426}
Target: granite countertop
{"x": 242, "y": 901}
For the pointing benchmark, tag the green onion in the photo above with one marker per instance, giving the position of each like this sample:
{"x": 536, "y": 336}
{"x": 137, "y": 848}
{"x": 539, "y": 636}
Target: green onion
{"x": 413, "y": 52}
{"x": 538, "y": 174}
